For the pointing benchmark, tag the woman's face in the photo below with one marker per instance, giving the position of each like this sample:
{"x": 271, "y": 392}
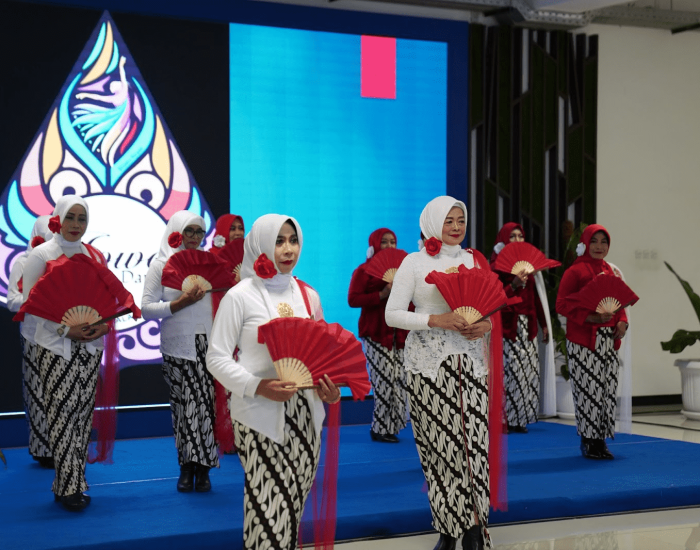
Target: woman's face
{"x": 516, "y": 236}
{"x": 455, "y": 227}
{"x": 192, "y": 236}
{"x": 74, "y": 224}
{"x": 236, "y": 231}
{"x": 388, "y": 241}
{"x": 286, "y": 248}
{"x": 599, "y": 246}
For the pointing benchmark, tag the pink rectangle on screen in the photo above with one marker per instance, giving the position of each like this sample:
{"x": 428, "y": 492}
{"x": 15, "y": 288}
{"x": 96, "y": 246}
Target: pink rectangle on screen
{"x": 378, "y": 78}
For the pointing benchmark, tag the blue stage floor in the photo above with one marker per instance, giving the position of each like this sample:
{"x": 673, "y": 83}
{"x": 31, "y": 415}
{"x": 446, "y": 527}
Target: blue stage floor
{"x": 380, "y": 491}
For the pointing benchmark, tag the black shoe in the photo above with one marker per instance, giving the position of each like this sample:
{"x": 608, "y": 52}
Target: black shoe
{"x": 589, "y": 449}
{"x": 202, "y": 484}
{"x": 517, "y": 429}
{"x": 383, "y": 438}
{"x": 75, "y": 502}
{"x": 185, "y": 483}
{"x": 46, "y": 462}
{"x": 446, "y": 542}
{"x": 473, "y": 539}
{"x": 603, "y": 450}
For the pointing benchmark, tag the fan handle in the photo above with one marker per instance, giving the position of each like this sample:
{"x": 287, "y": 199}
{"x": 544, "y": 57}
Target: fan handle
{"x": 219, "y": 289}
{"x": 487, "y": 315}
{"x": 108, "y": 319}
{"x": 338, "y": 385}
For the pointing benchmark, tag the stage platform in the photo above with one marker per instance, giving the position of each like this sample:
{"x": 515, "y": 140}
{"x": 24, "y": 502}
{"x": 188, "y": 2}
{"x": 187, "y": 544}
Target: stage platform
{"x": 380, "y": 491}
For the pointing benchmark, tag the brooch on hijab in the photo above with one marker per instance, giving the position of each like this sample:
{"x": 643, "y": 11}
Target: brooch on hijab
{"x": 175, "y": 239}
{"x": 433, "y": 246}
{"x": 55, "y": 224}
{"x": 285, "y": 310}
{"x": 264, "y": 268}
{"x": 499, "y": 246}
{"x": 219, "y": 241}
{"x": 580, "y": 249}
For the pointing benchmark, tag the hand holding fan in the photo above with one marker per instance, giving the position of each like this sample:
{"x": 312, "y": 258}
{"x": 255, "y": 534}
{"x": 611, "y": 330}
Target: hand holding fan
{"x": 78, "y": 290}
{"x": 233, "y": 253}
{"x": 605, "y": 294}
{"x": 475, "y": 294}
{"x": 517, "y": 257}
{"x": 189, "y": 268}
{"x": 384, "y": 264}
{"x": 303, "y": 350}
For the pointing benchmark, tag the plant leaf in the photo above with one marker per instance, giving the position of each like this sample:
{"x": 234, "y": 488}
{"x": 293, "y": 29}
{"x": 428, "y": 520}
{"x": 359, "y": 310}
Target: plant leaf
{"x": 681, "y": 339}
{"x": 694, "y": 298}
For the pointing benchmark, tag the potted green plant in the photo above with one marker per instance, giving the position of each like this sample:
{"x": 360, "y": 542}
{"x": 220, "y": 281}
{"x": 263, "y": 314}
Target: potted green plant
{"x": 689, "y": 368}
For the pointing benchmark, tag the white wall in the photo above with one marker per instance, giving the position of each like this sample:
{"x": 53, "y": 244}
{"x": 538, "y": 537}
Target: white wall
{"x": 648, "y": 185}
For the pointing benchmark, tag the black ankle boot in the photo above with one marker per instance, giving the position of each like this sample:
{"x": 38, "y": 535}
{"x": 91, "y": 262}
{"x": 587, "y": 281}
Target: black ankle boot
{"x": 446, "y": 542}
{"x": 473, "y": 539}
{"x": 186, "y": 481}
{"x": 202, "y": 484}
{"x": 603, "y": 450}
{"x": 589, "y": 449}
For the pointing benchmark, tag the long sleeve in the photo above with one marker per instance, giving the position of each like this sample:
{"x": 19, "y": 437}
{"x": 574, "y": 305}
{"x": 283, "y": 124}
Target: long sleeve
{"x": 15, "y": 298}
{"x": 225, "y": 337}
{"x": 358, "y": 294}
{"x": 34, "y": 268}
{"x": 153, "y": 305}
{"x": 402, "y": 292}
{"x": 570, "y": 284}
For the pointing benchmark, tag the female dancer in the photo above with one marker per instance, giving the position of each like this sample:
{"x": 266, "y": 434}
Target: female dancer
{"x": 383, "y": 345}
{"x": 228, "y": 228}
{"x": 32, "y": 389}
{"x": 591, "y": 343}
{"x": 278, "y": 428}
{"x": 447, "y": 368}
{"x": 184, "y": 330}
{"x": 521, "y": 365}
{"x": 68, "y": 358}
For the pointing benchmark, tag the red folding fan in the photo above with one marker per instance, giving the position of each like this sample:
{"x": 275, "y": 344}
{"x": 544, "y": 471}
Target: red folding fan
{"x": 189, "y": 268}
{"x": 472, "y": 293}
{"x": 303, "y": 350}
{"x": 233, "y": 253}
{"x": 604, "y": 294}
{"x": 78, "y": 290}
{"x": 385, "y": 263}
{"x": 520, "y": 256}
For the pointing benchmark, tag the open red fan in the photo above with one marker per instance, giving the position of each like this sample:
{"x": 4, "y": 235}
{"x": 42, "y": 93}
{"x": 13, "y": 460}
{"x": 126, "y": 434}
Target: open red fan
{"x": 604, "y": 294}
{"x": 303, "y": 350}
{"x": 472, "y": 293}
{"x": 233, "y": 253}
{"x": 385, "y": 263}
{"x": 78, "y": 290}
{"x": 188, "y": 268}
{"x": 517, "y": 257}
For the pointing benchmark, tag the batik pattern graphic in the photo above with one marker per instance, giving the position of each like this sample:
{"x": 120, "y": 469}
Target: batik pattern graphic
{"x": 278, "y": 478}
{"x": 34, "y": 408}
{"x": 70, "y": 402}
{"x": 521, "y": 376}
{"x": 192, "y": 406}
{"x": 105, "y": 140}
{"x": 388, "y": 379}
{"x": 594, "y": 377}
{"x": 458, "y": 481}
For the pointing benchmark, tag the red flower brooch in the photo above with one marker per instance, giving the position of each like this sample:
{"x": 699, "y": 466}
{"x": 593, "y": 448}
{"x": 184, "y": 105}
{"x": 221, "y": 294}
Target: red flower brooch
{"x": 264, "y": 268}
{"x": 55, "y": 224}
{"x": 175, "y": 239}
{"x": 433, "y": 246}
{"x": 36, "y": 241}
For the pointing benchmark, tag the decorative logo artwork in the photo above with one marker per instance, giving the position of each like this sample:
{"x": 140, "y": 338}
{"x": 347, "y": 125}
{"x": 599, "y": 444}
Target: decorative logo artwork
{"x": 105, "y": 140}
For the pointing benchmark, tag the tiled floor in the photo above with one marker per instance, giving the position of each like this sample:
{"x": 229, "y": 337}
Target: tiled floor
{"x": 662, "y": 530}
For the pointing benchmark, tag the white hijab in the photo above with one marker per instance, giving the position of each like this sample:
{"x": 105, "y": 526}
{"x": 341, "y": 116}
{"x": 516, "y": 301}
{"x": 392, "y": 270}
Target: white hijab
{"x": 177, "y": 223}
{"x": 63, "y": 205}
{"x": 262, "y": 240}
{"x": 40, "y": 229}
{"x": 432, "y": 219}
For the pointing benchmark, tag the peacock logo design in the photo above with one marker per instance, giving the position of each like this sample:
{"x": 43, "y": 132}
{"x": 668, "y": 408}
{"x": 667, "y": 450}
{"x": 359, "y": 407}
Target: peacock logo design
{"x": 105, "y": 140}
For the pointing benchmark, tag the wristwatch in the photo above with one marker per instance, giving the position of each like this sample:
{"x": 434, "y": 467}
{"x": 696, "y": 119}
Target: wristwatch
{"x": 61, "y": 330}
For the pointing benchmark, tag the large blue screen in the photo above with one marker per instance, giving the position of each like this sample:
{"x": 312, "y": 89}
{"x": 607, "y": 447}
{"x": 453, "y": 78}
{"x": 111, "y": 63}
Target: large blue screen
{"x": 304, "y": 142}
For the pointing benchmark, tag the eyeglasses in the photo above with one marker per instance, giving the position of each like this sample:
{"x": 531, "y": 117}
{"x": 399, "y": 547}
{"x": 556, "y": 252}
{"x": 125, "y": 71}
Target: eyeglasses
{"x": 189, "y": 232}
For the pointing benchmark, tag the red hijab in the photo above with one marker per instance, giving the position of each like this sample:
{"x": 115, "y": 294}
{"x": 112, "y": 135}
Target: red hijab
{"x": 586, "y": 237}
{"x": 224, "y": 223}
{"x": 504, "y": 237}
{"x": 375, "y": 238}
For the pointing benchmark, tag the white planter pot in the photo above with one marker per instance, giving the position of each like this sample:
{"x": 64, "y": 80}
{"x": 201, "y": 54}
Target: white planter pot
{"x": 565, "y": 399}
{"x": 690, "y": 387}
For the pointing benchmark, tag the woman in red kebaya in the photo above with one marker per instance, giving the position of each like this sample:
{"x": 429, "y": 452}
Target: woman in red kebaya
{"x": 591, "y": 343}
{"x": 228, "y": 228}
{"x": 521, "y": 366}
{"x": 383, "y": 345}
